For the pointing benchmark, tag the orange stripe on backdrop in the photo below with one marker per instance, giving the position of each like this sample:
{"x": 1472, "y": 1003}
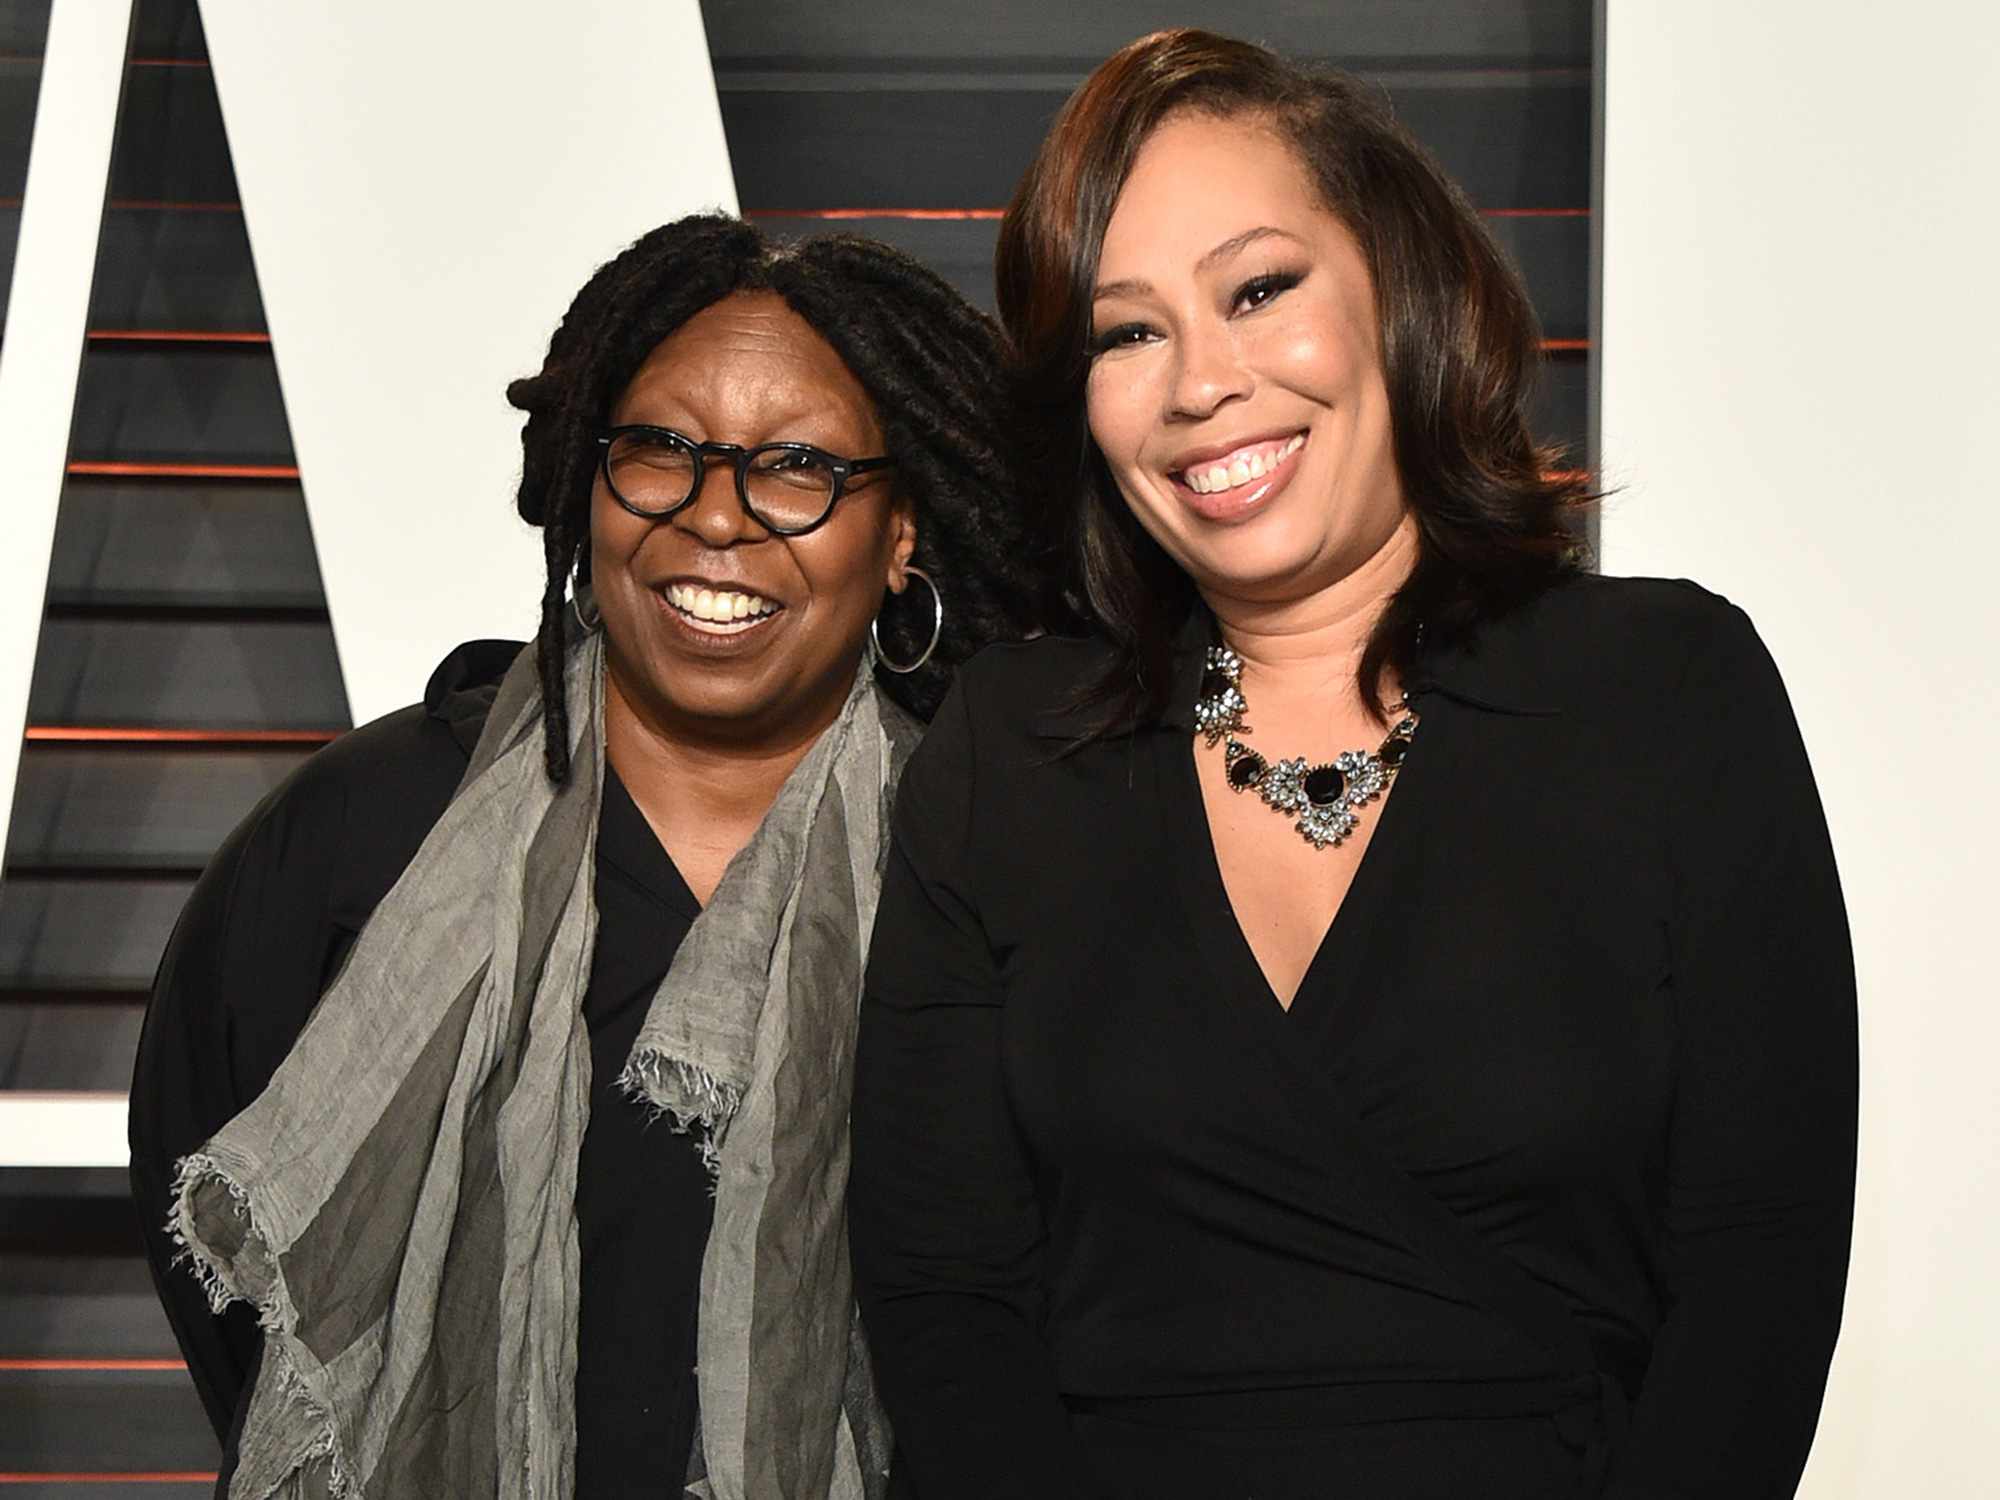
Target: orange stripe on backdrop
{"x": 146, "y": 1476}
{"x": 176, "y": 336}
{"x": 93, "y": 469}
{"x": 74, "y": 734}
{"x": 92, "y": 1364}
{"x": 174, "y": 205}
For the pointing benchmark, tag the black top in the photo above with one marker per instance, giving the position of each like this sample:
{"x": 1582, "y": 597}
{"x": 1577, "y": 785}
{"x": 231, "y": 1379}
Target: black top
{"x": 1591, "y": 990}
{"x": 263, "y": 934}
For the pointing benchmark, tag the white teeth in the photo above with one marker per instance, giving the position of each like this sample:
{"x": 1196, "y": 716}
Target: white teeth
{"x": 718, "y": 606}
{"x": 1241, "y": 468}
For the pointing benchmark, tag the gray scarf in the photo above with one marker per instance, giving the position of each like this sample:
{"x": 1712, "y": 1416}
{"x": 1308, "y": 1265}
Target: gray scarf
{"x": 399, "y": 1203}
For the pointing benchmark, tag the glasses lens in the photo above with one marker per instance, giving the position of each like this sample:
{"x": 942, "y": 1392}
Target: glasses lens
{"x": 790, "y": 488}
{"x": 650, "y": 471}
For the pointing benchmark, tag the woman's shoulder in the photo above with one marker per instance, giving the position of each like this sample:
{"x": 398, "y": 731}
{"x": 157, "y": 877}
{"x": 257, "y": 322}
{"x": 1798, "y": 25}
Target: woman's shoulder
{"x": 1634, "y": 609}
{"x": 1005, "y": 711}
{"x": 1023, "y": 693}
{"x": 1027, "y": 679}
{"x": 363, "y": 803}
{"x": 1630, "y": 651}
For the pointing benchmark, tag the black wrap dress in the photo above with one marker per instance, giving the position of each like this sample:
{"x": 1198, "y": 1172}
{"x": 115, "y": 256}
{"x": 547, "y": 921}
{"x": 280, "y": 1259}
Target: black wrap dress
{"x": 1543, "y": 1185}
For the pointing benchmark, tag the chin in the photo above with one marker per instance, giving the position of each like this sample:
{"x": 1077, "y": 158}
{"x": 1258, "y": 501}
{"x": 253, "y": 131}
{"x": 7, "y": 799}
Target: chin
{"x": 1257, "y": 558}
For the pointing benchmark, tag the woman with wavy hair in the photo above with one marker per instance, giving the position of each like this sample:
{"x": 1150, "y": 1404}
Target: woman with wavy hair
{"x": 1374, "y": 1017}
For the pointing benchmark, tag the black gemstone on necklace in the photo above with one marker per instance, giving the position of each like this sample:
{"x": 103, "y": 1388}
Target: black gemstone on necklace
{"x": 1394, "y": 750}
{"x": 1323, "y": 785}
{"x": 1246, "y": 771}
{"x": 1214, "y": 683}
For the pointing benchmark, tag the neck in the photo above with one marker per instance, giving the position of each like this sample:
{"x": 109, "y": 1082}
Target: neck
{"x": 695, "y": 780}
{"x": 1314, "y": 644}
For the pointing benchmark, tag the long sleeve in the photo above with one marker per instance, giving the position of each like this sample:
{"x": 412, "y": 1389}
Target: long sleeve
{"x": 237, "y": 981}
{"x": 1760, "y": 1161}
{"x": 946, "y": 1230}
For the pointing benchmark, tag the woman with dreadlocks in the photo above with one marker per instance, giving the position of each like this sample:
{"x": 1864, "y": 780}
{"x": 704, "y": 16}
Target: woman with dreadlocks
{"x": 494, "y": 1086}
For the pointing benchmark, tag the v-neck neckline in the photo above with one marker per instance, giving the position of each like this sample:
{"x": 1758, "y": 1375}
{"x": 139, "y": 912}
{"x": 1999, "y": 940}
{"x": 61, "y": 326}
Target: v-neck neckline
{"x": 626, "y": 841}
{"x": 1213, "y": 919}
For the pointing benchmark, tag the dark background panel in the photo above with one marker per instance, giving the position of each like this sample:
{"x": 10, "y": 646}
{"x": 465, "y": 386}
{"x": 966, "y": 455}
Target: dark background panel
{"x": 82, "y": 1211}
{"x": 878, "y": 34}
{"x": 10, "y": 234}
{"x": 1552, "y": 253}
{"x": 803, "y": 141}
{"x": 113, "y": 1489}
{"x": 20, "y": 82}
{"x": 216, "y": 403}
{"x": 121, "y": 543}
{"x": 203, "y": 674}
{"x": 81, "y": 1307}
{"x": 68, "y": 1045}
{"x": 24, "y": 27}
{"x": 90, "y": 807}
{"x": 133, "y": 1421}
{"x": 84, "y": 934}
{"x": 170, "y": 144}
{"x": 1562, "y": 406}
{"x": 175, "y": 268}
{"x": 167, "y": 29}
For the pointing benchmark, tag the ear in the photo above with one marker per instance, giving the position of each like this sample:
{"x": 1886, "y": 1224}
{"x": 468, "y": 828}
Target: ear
{"x": 902, "y": 544}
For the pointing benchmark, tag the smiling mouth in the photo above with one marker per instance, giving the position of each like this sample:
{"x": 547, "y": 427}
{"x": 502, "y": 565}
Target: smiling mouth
{"x": 719, "y": 611}
{"x": 1245, "y": 466}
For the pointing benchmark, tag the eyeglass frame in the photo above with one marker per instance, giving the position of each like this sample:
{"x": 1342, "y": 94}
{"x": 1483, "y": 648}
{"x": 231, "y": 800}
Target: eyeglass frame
{"x": 740, "y": 457}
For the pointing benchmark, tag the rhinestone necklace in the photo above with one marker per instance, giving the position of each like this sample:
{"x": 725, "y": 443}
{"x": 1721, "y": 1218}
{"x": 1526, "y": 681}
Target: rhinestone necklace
{"x": 1324, "y": 800}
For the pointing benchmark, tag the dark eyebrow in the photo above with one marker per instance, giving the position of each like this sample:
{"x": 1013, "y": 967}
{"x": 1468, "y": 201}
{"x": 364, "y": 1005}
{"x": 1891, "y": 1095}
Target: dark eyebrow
{"x": 1126, "y": 288}
{"x": 1132, "y": 287}
{"x": 1237, "y": 242}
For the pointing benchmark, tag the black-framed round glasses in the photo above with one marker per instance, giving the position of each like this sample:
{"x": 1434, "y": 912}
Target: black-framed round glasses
{"x": 787, "y": 488}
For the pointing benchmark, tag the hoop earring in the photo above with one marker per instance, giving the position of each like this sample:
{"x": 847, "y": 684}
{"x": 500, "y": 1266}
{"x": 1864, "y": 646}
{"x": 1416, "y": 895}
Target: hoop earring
{"x": 937, "y": 628}
{"x": 583, "y": 605}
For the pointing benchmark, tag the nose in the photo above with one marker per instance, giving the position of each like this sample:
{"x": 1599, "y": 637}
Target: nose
{"x": 716, "y": 516}
{"x": 1208, "y": 374}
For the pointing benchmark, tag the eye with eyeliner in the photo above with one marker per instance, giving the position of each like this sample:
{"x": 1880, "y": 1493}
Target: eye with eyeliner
{"x": 1120, "y": 336}
{"x": 1261, "y": 291}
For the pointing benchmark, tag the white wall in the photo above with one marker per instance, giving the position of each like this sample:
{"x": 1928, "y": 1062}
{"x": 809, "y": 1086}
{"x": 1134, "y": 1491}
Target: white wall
{"x": 1801, "y": 367}
{"x": 425, "y": 187}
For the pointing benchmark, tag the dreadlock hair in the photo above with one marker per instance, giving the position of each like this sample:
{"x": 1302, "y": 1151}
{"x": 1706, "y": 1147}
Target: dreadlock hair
{"x": 928, "y": 360}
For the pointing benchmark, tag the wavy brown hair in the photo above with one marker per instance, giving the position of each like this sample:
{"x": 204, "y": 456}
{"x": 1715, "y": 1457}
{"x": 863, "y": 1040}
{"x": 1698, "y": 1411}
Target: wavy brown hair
{"x": 1460, "y": 351}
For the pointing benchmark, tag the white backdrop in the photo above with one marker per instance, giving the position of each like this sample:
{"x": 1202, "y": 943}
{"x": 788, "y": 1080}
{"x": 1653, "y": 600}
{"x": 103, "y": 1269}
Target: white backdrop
{"x": 1801, "y": 396}
{"x": 426, "y": 186}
